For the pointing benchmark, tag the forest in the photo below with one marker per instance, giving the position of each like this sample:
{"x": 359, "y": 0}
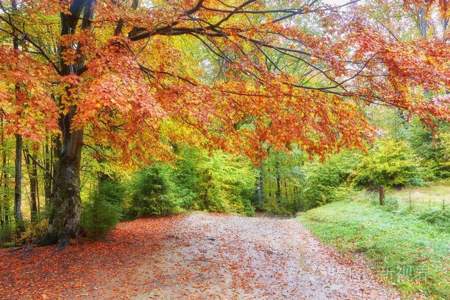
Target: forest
{"x": 137, "y": 121}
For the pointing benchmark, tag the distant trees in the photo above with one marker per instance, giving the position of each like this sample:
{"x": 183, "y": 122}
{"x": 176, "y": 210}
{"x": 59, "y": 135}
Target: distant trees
{"x": 432, "y": 146}
{"x": 213, "y": 181}
{"x": 329, "y": 180}
{"x": 281, "y": 179}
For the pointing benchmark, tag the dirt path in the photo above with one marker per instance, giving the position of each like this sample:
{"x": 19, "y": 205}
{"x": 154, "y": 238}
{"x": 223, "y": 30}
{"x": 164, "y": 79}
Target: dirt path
{"x": 199, "y": 256}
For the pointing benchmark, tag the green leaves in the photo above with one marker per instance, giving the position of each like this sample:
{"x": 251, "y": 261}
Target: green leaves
{"x": 390, "y": 163}
{"x": 150, "y": 193}
{"x": 103, "y": 210}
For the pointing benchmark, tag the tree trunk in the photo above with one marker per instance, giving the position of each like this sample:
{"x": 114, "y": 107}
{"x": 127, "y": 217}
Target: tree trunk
{"x": 48, "y": 171}
{"x": 278, "y": 179}
{"x": 2, "y": 205}
{"x": 381, "y": 194}
{"x": 4, "y": 178}
{"x": 19, "y": 145}
{"x": 286, "y": 191}
{"x": 422, "y": 21}
{"x": 18, "y": 184}
{"x": 261, "y": 187}
{"x": 65, "y": 201}
{"x": 33, "y": 178}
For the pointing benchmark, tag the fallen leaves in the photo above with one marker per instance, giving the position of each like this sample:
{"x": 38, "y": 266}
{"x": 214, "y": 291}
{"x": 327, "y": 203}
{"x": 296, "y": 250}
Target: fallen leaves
{"x": 46, "y": 273}
{"x": 197, "y": 256}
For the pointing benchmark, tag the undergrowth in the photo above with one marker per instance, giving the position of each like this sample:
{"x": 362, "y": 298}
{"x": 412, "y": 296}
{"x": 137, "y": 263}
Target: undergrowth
{"x": 409, "y": 250}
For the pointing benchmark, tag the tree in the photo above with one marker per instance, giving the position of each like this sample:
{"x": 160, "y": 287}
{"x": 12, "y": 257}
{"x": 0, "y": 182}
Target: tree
{"x": 390, "y": 164}
{"x": 113, "y": 79}
{"x": 19, "y": 145}
{"x": 150, "y": 194}
{"x": 260, "y": 187}
{"x": 4, "y": 207}
{"x": 283, "y": 181}
{"x": 327, "y": 181}
{"x": 31, "y": 164}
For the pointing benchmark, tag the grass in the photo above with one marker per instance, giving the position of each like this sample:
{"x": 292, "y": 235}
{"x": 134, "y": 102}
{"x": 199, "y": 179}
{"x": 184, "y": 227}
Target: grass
{"x": 418, "y": 199}
{"x": 421, "y": 198}
{"x": 405, "y": 250}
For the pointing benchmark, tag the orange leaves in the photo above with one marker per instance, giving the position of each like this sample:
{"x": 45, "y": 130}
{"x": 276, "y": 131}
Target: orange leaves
{"x": 76, "y": 46}
{"x": 442, "y": 5}
{"x": 234, "y": 75}
{"x": 24, "y": 100}
{"x": 423, "y": 63}
{"x": 46, "y": 7}
{"x": 246, "y": 118}
{"x": 46, "y": 273}
{"x": 438, "y": 107}
{"x": 397, "y": 72}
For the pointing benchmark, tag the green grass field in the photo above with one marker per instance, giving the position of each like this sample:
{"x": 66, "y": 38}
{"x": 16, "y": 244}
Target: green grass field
{"x": 434, "y": 196}
{"x": 408, "y": 248}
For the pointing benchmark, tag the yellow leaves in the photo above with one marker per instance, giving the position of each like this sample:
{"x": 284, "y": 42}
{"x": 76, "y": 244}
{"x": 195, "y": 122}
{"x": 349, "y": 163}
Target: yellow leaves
{"x": 176, "y": 55}
{"x": 239, "y": 84}
{"x": 25, "y": 105}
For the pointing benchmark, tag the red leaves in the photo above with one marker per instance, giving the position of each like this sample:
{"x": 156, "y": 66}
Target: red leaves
{"x": 48, "y": 273}
{"x": 196, "y": 256}
{"x": 77, "y": 46}
{"x": 276, "y": 82}
{"x": 24, "y": 98}
{"x": 428, "y": 4}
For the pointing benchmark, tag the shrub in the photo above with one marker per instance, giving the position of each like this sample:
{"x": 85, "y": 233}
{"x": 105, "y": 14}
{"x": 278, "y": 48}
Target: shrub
{"x": 327, "y": 181}
{"x": 150, "y": 194}
{"x": 391, "y": 204}
{"x": 186, "y": 177}
{"x": 112, "y": 191}
{"x": 34, "y": 231}
{"x": 99, "y": 217}
{"x": 282, "y": 210}
{"x": 7, "y": 235}
{"x": 103, "y": 211}
{"x": 434, "y": 150}
{"x": 438, "y": 217}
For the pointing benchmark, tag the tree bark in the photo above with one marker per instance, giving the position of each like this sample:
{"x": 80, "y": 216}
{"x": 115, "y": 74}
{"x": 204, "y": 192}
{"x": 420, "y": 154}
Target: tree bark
{"x": 4, "y": 215}
{"x": 65, "y": 208}
{"x": 33, "y": 178}
{"x": 381, "y": 194}
{"x": 261, "y": 187}
{"x": 19, "y": 144}
{"x": 422, "y": 21}
{"x": 66, "y": 202}
{"x": 18, "y": 185}
{"x": 48, "y": 171}
{"x": 286, "y": 191}
{"x": 278, "y": 179}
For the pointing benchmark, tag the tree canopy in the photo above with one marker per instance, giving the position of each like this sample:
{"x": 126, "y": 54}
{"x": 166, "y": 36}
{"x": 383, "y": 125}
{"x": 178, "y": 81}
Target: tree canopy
{"x": 215, "y": 67}
{"x": 134, "y": 78}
